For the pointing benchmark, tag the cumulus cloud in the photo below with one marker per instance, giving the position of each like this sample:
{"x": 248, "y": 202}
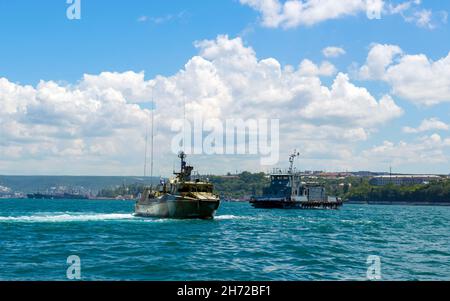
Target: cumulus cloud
{"x": 294, "y": 13}
{"x": 37, "y": 118}
{"x": 99, "y": 121}
{"x": 346, "y": 103}
{"x": 333, "y": 52}
{"x": 413, "y": 77}
{"x": 308, "y": 68}
{"x": 431, "y": 149}
{"x": 431, "y": 124}
{"x": 420, "y": 79}
{"x": 379, "y": 58}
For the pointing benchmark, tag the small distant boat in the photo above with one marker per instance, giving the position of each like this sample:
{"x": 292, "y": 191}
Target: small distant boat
{"x": 57, "y": 196}
{"x": 287, "y": 191}
{"x": 182, "y": 198}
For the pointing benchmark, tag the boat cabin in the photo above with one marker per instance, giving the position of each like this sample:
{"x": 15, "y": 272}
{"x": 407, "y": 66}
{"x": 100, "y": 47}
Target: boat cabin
{"x": 281, "y": 185}
{"x": 187, "y": 187}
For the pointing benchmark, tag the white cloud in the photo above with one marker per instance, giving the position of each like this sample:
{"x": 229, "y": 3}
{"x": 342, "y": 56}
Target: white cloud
{"x": 295, "y": 13}
{"x": 411, "y": 12}
{"x": 349, "y": 104}
{"x": 420, "y": 79}
{"x": 163, "y": 19}
{"x": 142, "y": 19}
{"x": 332, "y": 52}
{"x": 431, "y": 124}
{"x": 168, "y": 18}
{"x": 425, "y": 150}
{"x": 96, "y": 126}
{"x": 444, "y": 16}
{"x": 378, "y": 59}
{"x": 132, "y": 86}
{"x": 423, "y": 18}
{"x": 401, "y": 7}
{"x": 413, "y": 77}
{"x": 51, "y": 121}
{"x": 308, "y": 68}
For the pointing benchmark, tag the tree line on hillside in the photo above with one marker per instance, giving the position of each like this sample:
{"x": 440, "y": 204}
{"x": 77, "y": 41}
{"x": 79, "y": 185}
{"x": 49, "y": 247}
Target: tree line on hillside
{"x": 435, "y": 192}
{"x": 353, "y": 189}
{"x": 241, "y": 185}
{"x": 228, "y": 187}
{"x": 133, "y": 189}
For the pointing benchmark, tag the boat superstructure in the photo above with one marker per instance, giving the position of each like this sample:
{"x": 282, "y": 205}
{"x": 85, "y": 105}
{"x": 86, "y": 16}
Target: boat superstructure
{"x": 287, "y": 191}
{"x": 183, "y": 197}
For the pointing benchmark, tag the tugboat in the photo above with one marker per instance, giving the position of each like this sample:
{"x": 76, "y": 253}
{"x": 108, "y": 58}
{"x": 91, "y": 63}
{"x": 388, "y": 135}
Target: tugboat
{"x": 287, "y": 191}
{"x": 182, "y": 198}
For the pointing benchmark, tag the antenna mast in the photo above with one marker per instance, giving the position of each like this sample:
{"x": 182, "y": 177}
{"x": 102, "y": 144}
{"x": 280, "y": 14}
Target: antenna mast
{"x": 153, "y": 132}
{"x": 184, "y": 124}
{"x": 291, "y": 161}
{"x": 291, "y": 172}
{"x": 146, "y": 149}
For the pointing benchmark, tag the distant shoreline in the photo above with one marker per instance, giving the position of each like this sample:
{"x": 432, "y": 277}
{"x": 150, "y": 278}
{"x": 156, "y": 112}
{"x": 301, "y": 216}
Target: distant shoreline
{"x": 399, "y": 203}
{"x": 415, "y": 204}
{"x": 88, "y": 199}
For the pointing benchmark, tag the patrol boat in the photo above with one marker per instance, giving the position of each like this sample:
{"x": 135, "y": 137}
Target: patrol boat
{"x": 181, "y": 198}
{"x": 287, "y": 191}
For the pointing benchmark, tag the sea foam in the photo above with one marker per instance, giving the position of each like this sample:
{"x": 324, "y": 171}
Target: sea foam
{"x": 228, "y": 217}
{"x": 66, "y": 218}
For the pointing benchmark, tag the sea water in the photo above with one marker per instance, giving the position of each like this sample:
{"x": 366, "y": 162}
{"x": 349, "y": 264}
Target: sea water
{"x": 241, "y": 243}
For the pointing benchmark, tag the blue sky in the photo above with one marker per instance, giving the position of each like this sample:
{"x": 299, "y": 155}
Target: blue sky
{"x": 39, "y": 43}
{"x": 109, "y": 37}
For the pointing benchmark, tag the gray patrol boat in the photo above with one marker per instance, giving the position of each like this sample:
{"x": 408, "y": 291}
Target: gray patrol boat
{"x": 181, "y": 198}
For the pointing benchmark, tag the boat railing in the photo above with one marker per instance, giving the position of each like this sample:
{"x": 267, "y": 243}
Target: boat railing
{"x": 284, "y": 171}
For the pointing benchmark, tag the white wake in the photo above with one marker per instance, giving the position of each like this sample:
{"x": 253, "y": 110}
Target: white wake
{"x": 60, "y": 217}
{"x": 230, "y": 217}
{"x": 66, "y": 218}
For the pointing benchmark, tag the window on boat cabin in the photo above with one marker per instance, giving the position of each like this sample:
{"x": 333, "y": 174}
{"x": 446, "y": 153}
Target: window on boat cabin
{"x": 184, "y": 188}
{"x": 279, "y": 179}
{"x": 196, "y": 188}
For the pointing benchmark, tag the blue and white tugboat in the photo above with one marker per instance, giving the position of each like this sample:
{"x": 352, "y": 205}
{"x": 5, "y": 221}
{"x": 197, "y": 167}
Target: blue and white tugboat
{"x": 287, "y": 191}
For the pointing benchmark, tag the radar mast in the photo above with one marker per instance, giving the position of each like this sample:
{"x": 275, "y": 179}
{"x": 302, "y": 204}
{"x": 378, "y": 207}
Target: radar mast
{"x": 291, "y": 161}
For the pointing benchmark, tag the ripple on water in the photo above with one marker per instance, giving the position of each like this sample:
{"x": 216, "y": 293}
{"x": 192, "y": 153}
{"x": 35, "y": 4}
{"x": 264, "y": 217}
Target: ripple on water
{"x": 60, "y": 218}
{"x": 241, "y": 243}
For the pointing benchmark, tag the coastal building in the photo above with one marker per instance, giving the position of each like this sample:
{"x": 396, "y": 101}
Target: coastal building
{"x": 367, "y": 174}
{"x": 403, "y": 180}
{"x": 334, "y": 175}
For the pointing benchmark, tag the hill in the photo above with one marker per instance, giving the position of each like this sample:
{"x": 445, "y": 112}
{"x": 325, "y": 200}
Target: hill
{"x": 31, "y": 184}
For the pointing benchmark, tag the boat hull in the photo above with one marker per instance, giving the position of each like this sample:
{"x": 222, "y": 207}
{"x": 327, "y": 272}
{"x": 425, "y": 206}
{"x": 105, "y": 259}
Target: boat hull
{"x": 178, "y": 209}
{"x": 274, "y": 204}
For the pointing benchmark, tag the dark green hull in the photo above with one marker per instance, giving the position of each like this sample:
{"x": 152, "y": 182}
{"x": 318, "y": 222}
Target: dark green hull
{"x": 178, "y": 209}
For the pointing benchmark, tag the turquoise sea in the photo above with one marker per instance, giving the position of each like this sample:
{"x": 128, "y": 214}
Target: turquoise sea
{"x": 242, "y": 243}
